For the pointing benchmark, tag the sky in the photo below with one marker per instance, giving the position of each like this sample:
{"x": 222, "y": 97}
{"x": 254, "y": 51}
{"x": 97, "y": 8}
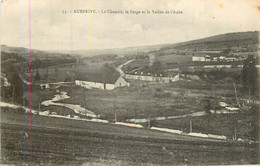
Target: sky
{"x": 53, "y": 30}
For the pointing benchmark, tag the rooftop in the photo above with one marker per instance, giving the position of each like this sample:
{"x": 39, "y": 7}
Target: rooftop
{"x": 108, "y": 78}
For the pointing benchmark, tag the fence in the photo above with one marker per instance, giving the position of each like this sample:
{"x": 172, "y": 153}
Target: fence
{"x": 151, "y": 78}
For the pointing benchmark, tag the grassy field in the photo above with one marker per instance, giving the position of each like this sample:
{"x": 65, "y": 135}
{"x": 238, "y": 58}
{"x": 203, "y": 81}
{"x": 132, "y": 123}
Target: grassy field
{"x": 130, "y": 102}
{"x": 173, "y": 99}
{"x": 244, "y": 125}
{"x": 154, "y": 100}
{"x": 70, "y": 72}
{"x": 148, "y": 100}
{"x": 174, "y": 58}
{"x": 67, "y": 72}
{"x": 58, "y": 141}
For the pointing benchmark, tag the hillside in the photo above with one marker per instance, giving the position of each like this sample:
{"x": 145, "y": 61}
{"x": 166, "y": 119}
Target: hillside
{"x": 100, "y": 53}
{"x": 118, "y": 51}
{"x": 35, "y": 54}
{"x": 17, "y": 58}
{"x": 238, "y": 40}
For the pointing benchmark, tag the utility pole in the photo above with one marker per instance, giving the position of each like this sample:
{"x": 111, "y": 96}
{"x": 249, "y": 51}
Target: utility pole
{"x": 249, "y": 93}
{"x": 115, "y": 115}
{"x": 235, "y": 134}
{"x": 135, "y": 115}
{"x": 13, "y": 95}
{"x": 149, "y": 121}
{"x": 235, "y": 88}
{"x": 190, "y": 126}
{"x": 39, "y": 106}
{"x": 215, "y": 98}
{"x": 85, "y": 102}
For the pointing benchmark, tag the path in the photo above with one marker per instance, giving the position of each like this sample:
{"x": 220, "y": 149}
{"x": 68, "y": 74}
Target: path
{"x": 195, "y": 114}
{"x": 119, "y": 68}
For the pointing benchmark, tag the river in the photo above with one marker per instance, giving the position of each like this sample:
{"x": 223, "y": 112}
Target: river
{"x": 76, "y": 108}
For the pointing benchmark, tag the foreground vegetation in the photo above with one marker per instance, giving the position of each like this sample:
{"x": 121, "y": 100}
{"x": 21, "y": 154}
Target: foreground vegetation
{"x": 57, "y": 141}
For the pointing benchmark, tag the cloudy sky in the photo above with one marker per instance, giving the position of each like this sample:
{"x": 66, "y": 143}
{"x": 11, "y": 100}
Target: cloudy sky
{"x": 53, "y": 30}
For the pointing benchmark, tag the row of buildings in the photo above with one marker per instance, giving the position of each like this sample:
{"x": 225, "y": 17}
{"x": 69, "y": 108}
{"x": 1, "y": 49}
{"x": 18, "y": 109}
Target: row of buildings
{"x": 216, "y": 58}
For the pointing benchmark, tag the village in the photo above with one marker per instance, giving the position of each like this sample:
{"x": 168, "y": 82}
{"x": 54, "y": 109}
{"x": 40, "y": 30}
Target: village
{"x": 157, "y": 81}
{"x": 167, "y": 91}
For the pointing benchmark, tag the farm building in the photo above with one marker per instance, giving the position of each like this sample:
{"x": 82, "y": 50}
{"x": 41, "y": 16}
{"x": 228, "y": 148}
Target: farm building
{"x": 208, "y": 58}
{"x": 199, "y": 57}
{"x": 107, "y": 83}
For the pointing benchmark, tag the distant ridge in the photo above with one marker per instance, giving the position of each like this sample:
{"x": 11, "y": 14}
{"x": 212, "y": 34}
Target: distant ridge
{"x": 35, "y": 54}
{"x": 87, "y": 53}
{"x": 213, "y": 43}
{"x": 219, "y": 42}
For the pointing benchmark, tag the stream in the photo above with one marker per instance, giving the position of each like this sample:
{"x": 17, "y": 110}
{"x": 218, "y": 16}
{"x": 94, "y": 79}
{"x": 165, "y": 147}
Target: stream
{"x": 76, "y": 108}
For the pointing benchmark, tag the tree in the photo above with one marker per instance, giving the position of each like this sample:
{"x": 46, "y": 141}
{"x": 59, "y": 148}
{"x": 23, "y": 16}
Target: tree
{"x": 37, "y": 76}
{"x": 37, "y": 63}
{"x": 106, "y": 66}
{"x": 109, "y": 73}
{"x": 46, "y": 74}
{"x": 156, "y": 67}
{"x": 249, "y": 75}
{"x": 56, "y": 71}
{"x": 16, "y": 87}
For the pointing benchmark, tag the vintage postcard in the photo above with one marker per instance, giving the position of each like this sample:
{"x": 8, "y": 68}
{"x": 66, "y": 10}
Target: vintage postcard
{"x": 127, "y": 82}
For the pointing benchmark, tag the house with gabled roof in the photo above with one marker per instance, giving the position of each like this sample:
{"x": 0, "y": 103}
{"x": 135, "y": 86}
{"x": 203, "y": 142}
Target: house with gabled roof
{"x": 105, "y": 83}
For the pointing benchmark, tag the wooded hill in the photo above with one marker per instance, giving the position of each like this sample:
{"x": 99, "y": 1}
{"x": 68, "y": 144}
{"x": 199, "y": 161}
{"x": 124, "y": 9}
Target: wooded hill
{"x": 237, "y": 40}
{"x": 35, "y": 54}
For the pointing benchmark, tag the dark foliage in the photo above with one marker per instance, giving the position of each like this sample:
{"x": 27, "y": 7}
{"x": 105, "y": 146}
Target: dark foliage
{"x": 249, "y": 75}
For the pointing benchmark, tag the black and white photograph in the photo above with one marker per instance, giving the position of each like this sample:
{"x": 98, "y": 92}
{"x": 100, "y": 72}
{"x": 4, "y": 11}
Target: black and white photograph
{"x": 129, "y": 82}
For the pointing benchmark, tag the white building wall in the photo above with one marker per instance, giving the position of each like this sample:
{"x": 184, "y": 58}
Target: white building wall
{"x": 110, "y": 86}
{"x": 90, "y": 85}
{"x": 198, "y": 58}
{"x": 154, "y": 79}
{"x": 121, "y": 82}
